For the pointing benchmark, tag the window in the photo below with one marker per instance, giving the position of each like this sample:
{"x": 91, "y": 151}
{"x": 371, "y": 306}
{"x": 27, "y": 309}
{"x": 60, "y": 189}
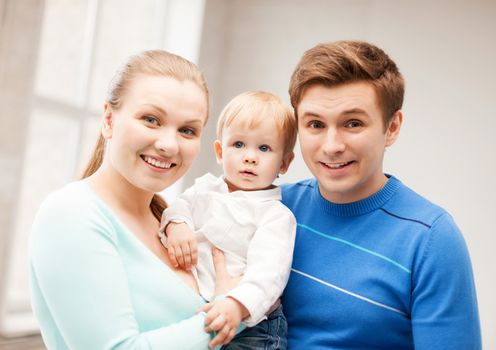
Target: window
{"x": 82, "y": 43}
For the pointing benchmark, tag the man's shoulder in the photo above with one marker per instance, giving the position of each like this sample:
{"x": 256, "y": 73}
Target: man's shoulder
{"x": 409, "y": 205}
{"x": 303, "y": 185}
{"x": 292, "y": 193}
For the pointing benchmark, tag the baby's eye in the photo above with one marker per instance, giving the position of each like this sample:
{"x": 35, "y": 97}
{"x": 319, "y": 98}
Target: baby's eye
{"x": 316, "y": 124}
{"x": 264, "y": 148}
{"x": 238, "y": 144}
{"x": 151, "y": 120}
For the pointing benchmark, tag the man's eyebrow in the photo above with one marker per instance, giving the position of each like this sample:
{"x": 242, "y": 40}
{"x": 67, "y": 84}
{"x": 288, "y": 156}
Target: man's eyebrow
{"x": 310, "y": 114}
{"x": 354, "y": 111}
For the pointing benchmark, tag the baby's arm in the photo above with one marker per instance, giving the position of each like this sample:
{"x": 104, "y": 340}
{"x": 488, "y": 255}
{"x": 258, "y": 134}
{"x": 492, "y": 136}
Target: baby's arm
{"x": 268, "y": 262}
{"x": 224, "y": 317}
{"x": 176, "y": 230}
{"x": 181, "y": 245}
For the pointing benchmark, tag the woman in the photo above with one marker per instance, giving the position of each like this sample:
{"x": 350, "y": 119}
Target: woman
{"x": 100, "y": 277}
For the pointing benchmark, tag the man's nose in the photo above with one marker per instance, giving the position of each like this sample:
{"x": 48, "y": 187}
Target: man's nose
{"x": 334, "y": 142}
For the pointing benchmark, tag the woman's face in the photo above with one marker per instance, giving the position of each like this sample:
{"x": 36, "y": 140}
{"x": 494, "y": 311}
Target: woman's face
{"x": 155, "y": 135}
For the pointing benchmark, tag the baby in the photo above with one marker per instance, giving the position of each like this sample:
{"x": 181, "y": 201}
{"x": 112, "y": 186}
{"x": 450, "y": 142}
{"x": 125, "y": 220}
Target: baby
{"x": 241, "y": 214}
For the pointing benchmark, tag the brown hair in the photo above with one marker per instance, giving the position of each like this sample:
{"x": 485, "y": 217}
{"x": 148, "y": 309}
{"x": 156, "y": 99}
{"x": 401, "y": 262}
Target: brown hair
{"x": 341, "y": 62}
{"x": 152, "y": 62}
{"x": 252, "y": 107}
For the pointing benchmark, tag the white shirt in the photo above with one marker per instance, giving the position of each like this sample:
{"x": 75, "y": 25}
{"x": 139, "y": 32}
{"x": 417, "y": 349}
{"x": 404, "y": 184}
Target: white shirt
{"x": 253, "y": 228}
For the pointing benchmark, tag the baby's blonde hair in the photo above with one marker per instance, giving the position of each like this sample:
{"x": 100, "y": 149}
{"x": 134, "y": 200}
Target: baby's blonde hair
{"x": 250, "y": 108}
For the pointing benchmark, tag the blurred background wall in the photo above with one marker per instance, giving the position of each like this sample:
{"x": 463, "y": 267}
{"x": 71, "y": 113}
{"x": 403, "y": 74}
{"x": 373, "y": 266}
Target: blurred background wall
{"x": 445, "y": 50}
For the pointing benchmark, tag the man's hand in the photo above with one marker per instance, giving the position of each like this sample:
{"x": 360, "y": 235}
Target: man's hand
{"x": 223, "y": 317}
{"x": 181, "y": 245}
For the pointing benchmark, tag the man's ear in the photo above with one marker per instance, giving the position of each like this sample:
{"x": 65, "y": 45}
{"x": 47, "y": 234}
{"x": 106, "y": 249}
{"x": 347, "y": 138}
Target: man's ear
{"x": 107, "y": 124}
{"x": 286, "y": 161}
{"x": 218, "y": 151}
{"x": 393, "y": 130}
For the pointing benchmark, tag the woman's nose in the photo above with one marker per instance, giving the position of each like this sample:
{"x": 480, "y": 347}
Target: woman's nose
{"x": 167, "y": 144}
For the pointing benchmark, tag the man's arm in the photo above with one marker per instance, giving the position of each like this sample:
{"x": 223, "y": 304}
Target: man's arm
{"x": 444, "y": 301}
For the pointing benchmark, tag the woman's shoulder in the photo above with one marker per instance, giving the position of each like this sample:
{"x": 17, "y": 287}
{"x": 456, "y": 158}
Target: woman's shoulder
{"x": 73, "y": 207}
{"x": 75, "y": 195}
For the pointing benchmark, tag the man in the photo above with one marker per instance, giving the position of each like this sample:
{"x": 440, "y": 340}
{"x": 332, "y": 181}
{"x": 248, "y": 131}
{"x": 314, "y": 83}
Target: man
{"x": 376, "y": 266}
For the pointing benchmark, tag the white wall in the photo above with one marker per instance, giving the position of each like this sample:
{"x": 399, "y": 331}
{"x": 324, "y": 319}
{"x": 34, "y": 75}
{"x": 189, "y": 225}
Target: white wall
{"x": 447, "y": 53}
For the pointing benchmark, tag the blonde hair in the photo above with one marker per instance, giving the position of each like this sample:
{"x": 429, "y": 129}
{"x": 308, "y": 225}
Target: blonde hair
{"x": 152, "y": 62}
{"x": 252, "y": 107}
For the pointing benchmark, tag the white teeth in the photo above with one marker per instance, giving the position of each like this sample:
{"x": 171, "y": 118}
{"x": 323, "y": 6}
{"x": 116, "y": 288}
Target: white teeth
{"x": 335, "y": 165}
{"x": 157, "y": 163}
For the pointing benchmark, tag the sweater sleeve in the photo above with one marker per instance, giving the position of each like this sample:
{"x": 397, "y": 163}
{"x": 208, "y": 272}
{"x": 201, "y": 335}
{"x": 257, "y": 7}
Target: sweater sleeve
{"x": 80, "y": 292}
{"x": 268, "y": 263}
{"x": 444, "y": 303}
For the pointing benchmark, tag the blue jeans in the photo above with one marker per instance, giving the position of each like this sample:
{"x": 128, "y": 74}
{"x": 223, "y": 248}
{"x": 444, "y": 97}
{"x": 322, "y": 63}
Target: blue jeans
{"x": 270, "y": 334}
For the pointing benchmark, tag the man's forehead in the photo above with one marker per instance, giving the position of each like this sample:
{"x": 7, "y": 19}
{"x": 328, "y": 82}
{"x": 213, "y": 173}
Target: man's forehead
{"x": 348, "y": 98}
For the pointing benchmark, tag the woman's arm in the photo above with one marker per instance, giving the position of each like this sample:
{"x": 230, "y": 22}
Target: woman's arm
{"x": 80, "y": 288}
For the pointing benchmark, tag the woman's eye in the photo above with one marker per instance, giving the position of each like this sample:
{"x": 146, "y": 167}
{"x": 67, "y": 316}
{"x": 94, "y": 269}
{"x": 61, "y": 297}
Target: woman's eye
{"x": 187, "y": 131}
{"x": 264, "y": 148}
{"x": 238, "y": 144}
{"x": 151, "y": 120}
{"x": 316, "y": 124}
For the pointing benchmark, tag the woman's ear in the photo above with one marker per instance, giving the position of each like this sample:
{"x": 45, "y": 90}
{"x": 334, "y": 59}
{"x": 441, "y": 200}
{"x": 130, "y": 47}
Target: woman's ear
{"x": 107, "y": 125}
{"x": 394, "y": 127}
{"x": 218, "y": 151}
{"x": 286, "y": 161}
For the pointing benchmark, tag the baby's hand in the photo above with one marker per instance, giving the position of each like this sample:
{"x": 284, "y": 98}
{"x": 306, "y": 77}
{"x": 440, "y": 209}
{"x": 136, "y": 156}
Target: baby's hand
{"x": 224, "y": 317}
{"x": 181, "y": 245}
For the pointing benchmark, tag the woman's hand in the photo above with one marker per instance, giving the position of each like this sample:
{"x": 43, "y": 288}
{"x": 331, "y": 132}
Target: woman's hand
{"x": 223, "y": 316}
{"x": 223, "y": 281}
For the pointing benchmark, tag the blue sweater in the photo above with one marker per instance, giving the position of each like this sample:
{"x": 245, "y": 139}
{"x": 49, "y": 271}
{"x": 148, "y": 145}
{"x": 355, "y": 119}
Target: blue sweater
{"x": 96, "y": 286}
{"x": 391, "y": 271}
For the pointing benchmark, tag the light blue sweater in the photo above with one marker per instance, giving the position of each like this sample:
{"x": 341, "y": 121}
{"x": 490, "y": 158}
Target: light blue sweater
{"x": 96, "y": 286}
{"x": 388, "y": 272}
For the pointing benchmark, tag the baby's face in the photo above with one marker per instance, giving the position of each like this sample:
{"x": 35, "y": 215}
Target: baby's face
{"x": 251, "y": 157}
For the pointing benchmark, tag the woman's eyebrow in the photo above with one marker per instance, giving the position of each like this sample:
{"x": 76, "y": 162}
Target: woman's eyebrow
{"x": 156, "y": 108}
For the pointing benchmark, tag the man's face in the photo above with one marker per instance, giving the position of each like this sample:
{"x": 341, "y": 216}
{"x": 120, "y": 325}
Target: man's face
{"x": 342, "y": 139}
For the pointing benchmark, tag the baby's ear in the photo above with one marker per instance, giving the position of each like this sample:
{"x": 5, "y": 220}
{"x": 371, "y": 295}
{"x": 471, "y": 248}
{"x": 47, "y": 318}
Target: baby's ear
{"x": 107, "y": 123}
{"x": 286, "y": 161}
{"x": 218, "y": 151}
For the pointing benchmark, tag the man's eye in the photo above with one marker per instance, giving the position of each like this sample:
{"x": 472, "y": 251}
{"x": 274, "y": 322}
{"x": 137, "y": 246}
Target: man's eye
{"x": 238, "y": 144}
{"x": 353, "y": 124}
{"x": 264, "y": 148}
{"x": 315, "y": 124}
{"x": 151, "y": 120}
